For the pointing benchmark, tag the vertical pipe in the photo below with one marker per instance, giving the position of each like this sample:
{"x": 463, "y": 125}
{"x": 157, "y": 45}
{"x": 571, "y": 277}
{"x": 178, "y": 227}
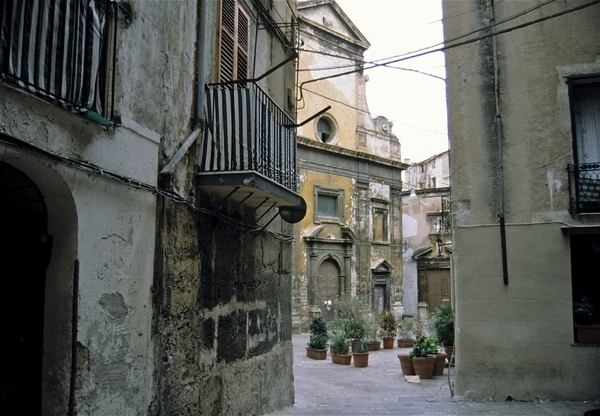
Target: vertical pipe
{"x": 201, "y": 74}
{"x": 499, "y": 149}
{"x": 74, "y": 338}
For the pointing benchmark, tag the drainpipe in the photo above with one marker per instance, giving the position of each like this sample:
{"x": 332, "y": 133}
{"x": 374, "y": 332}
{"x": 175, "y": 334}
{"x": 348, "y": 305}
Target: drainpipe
{"x": 200, "y": 76}
{"x": 499, "y": 149}
{"x": 74, "y": 329}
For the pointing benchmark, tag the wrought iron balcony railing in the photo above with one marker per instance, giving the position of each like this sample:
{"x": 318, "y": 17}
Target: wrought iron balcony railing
{"x": 249, "y": 145}
{"x": 584, "y": 187}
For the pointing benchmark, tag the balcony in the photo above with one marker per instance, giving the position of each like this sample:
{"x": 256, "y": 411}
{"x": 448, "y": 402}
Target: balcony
{"x": 248, "y": 152}
{"x": 584, "y": 188}
{"x": 62, "y": 52}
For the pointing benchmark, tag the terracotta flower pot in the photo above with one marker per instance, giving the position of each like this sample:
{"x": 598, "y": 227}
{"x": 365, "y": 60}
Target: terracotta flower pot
{"x": 388, "y": 343}
{"x": 361, "y": 359}
{"x": 406, "y": 365}
{"x": 424, "y": 366}
{"x": 343, "y": 359}
{"x": 405, "y": 343}
{"x": 440, "y": 363}
{"x": 374, "y": 345}
{"x": 316, "y": 354}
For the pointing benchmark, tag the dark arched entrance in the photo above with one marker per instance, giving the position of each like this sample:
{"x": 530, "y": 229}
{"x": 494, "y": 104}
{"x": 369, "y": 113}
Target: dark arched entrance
{"x": 24, "y": 254}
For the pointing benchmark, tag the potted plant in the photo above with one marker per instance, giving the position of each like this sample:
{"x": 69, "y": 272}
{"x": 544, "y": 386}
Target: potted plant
{"x": 340, "y": 348}
{"x": 408, "y": 327}
{"x": 587, "y": 328}
{"x": 387, "y": 329}
{"x": 361, "y": 354}
{"x": 422, "y": 356}
{"x": 352, "y": 312}
{"x": 442, "y": 322}
{"x": 372, "y": 334}
{"x": 317, "y": 344}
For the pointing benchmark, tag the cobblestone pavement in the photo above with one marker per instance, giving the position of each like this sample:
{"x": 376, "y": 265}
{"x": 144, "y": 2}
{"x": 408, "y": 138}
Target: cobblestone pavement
{"x": 323, "y": 388}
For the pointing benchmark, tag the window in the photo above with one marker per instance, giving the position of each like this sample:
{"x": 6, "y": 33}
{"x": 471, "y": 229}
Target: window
{"x": 380, "y": 224}
{"x": 61, "y": 51}
{"x": 439, "y": 223}
{"x": 328, "y": 205}
{"x": 232, "y": 50}
{"x": 325, "y": 129}
{"x": 584, "y": 174}
{"x": 585, "y": 279}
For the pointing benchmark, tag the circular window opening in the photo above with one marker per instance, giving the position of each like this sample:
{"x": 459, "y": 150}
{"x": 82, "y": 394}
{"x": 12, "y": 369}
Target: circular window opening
{"x": 325, "y": 129}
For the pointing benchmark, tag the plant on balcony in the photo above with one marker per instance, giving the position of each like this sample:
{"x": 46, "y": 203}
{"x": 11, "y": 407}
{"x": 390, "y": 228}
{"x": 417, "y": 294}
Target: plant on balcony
{"x": 587, "y": 326}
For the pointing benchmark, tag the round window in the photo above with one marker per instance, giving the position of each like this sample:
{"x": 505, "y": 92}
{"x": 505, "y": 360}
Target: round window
{"x": 325, "y": 129}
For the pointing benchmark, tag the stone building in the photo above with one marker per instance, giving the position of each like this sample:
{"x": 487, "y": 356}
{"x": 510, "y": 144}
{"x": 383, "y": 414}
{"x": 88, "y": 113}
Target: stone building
{"x": 147, "y": 265}
{"x": 426, "y": 231}
{"x": 523, "y": 100}
{"x": 349, "y": 175}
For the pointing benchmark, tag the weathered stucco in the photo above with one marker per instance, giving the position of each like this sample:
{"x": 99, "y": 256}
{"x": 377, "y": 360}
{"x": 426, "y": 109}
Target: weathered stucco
{"x": 178, "y": 312}
{"x": 360, "y": 161}
{"x": 522, "y": 331}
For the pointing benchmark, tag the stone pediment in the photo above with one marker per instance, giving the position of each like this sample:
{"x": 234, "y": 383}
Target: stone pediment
{"x": 331, "y": 232}
{"x": 328, "y": 16}
{"x": 425, "y": 253}
{"x": 383, "y": 267}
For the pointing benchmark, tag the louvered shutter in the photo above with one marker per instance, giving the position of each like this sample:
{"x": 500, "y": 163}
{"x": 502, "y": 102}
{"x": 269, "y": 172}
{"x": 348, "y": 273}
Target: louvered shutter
{"x": 233, "y": 47}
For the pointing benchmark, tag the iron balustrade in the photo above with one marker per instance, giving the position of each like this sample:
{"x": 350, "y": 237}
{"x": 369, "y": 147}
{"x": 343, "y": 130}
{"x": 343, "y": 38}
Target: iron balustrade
{"x": 247, "y": 131}
{"x": 584, "y": 187}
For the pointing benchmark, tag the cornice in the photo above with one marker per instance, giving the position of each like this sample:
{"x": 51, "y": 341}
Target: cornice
{"x": 354, "y": 154}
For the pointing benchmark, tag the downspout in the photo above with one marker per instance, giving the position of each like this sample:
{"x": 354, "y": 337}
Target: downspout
{"x": 74, "y": 329}
{"x": 200, "y": 76}
{"x": 499, "y": 148}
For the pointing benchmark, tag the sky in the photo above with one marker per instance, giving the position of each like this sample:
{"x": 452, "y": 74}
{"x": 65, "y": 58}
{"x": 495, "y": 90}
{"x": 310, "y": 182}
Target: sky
{"x": 415, "y": 103}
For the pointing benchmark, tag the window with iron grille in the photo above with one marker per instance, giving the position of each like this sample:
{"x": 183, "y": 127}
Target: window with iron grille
{"x": 60, "y": 50}
{"x": 584, "y": 173}
{"x": 232, "y": 50}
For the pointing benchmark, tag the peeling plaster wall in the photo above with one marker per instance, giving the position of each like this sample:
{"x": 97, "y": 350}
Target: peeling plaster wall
{"x": 361, "y": 159}
{"x": 221, "y": 296}
{"x": 522, "y": 332}
{"x": 176, "y": 315}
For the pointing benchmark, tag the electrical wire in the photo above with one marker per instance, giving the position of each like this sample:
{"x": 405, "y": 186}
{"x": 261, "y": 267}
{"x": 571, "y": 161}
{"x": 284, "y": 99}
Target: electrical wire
{"x": 247, "y": 226}
{"x": 371, "y": 114}
{"x": 426, "y": 51}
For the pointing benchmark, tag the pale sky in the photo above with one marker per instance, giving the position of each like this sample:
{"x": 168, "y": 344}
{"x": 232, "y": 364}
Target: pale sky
{"x": 414, "y": 103}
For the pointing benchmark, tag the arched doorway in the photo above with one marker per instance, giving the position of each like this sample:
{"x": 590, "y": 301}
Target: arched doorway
{"x": 24, "y": 254}
{"x": 328, "y": 288}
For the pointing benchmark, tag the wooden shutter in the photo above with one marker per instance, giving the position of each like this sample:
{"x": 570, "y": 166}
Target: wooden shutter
{"x": 233, "y": 42}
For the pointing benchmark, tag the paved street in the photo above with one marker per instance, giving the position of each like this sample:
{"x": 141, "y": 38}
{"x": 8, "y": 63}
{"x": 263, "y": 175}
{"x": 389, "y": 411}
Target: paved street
{"x": 323, "y": 388}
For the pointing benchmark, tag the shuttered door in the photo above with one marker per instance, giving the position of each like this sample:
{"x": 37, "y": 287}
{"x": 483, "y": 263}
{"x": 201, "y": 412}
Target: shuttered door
{"x": 438, "y": 288}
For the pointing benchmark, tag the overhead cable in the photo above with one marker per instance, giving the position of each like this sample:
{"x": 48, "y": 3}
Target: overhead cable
{"x": 427, "y": 51}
